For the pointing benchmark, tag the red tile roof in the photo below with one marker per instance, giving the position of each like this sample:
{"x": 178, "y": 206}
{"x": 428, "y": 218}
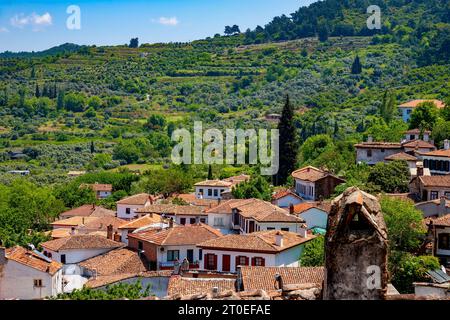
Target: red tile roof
{"x": 284, "y": 193}
{"x": 438, "y": 153}
{"x": 98, "y": 187}
{"x": 311, "y": 174}
{"x": 418, "y": 144}
{"x": 118, "y": 261}
{"x": 415, "y": 103}
{"x": 179, "y": 235}
{"x": 188, "y": 286}
{"x": 436, "y": 181}
{"x": 137, "y": 199}
{"x": 171, "y": 209}
{"x": 401, "y": 156}
{"x": 263, "y": 278}
{"x": 443, "y": 221}
{"x": 81, "y": 242}
{"x": 32, "y": 260}
{"x": 141, "y": 222}
{"x": 101, "y": 281}
{"x": 87, "y": 210}
{"x": 378, "y": 145}
{"x": 263, "y": 241}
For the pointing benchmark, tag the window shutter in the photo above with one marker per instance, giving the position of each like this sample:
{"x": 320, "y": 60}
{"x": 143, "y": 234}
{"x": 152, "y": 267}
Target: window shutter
{"x": 253, "y": 261}
{"x": 206, "y": 261}
{"x": 215, "y": 262}
{"x": 237, "y": 261}
{"x": 263, "y": 262}
{"x": 247, "y": 261}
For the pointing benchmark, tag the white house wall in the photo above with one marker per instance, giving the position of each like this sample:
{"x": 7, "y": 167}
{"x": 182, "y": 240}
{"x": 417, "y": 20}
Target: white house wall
{"x": 75, "y": 256}
{"x": 315, "y": 217}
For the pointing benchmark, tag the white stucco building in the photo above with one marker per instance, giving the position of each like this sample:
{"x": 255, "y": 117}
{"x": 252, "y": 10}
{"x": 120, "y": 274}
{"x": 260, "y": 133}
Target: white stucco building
{"x": 126, "y": 208}
{"x": 27, "y": 274}
{"x": 406, "y": 109}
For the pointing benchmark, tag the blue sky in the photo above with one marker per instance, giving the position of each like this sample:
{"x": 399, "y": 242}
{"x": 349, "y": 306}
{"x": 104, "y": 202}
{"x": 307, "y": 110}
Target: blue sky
{"x": 40, "y": 24}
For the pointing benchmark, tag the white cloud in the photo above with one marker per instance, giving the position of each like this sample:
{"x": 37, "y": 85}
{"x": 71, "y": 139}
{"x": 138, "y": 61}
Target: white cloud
{"x": 173, "y": 21}
{"x": 3, "y": 30}
{"x": 34, "y": 20}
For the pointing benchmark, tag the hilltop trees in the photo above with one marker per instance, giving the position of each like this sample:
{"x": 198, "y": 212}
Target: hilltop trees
{"x": 232, "y": 30}
{"x": 392, "y": 177}
{"x": 424, "y": 116}
{"x": 388, "y": 106}
{"x": 288, "y": 143}
{"x": 134, "y": 43}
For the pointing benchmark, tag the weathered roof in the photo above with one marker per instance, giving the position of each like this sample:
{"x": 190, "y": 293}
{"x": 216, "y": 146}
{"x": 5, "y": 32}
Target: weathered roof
{"x": 171, "y": 209}
{"x": 101, "y": 281}
{"x": 312, "y": 174}
{"x": 418, "y": 144}
{"x": 417, "y": 131}
{"x": 179, "y": 235}
{"x": 116, "y": 262}
{"x": 438, "y": 153}
{"x": 81, "y": 242}
{"x": 137, "y": 199}
{"x": 435, "y": 181}
{"x": 87, "y": 210}
{"x": 102, "y": 223}
{"x": 191, "y": 199}
{"x": 285, "y": 193}
{"x": 443, "y": 221}
{"x": 401, "y": 156}
{"x": 263, "y": 241}
{"x": 254, "y": 278}
{"x": 305, "y": 206}
{"x": 98, "y": 187}
{"x": 264, "y": 211}
{"x": 141, "y": 222}
{"x": 32, "y": 260}
{"x": 73, "y": 221}
{"x": 415, "y": 103}
{"x": 378, "y": 145}
{"x": 188, "y": 286}
{"x": 214, "y": 183}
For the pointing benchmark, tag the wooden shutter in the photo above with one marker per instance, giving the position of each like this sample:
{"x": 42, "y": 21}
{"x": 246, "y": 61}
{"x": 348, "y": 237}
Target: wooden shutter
{"x": 253, "y": 261}
{"x": 237, "y": 261}
{"x": 206, "y": 261}
{"x": 263, "y": 262}
{"x": 215, "y": 262}
{"x": 247, "y": 260}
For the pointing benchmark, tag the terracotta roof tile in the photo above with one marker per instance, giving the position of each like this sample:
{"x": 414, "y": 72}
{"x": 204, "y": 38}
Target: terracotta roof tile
{"x": 436, "y": 181}
{"x": 378, "y": 145}
{"x": 101, "y": 281}
{"x": 284, "y": 193}
{"x": 32, "y": 260}
{"x": 81, "y": 242}
{"x": 312, "y": 174}
{"x": 438, "y": 153}
{"x": 256, "y": 278}
{"x": 214, "y": 183}
{"x": 98, "y": 187}
{"x": 171, "y": 209}
{"x": 401, "y": 156}
{"x": 118, "y": 261}
{"x": 142, "y": 222}
{"x": 188, "y": 286}
{"x": 180, "y": 235}
{"x": 137, "y": 199}
{"x": 73, "y": 221}
{"x": 418, "y": 144}
{"x": 264, "y": 241}
{"x": 443, "y": 221}
{"x": 263, "y": 211}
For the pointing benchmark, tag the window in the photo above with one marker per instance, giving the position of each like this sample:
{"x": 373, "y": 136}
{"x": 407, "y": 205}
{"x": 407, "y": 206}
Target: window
{"x": 270, "y": 228}
{"x": 209, "y": 192}
{"x": 241, "y": 261}
{"x": 173, "y": 255}
{"x": 444, "y": 241}
{"x": 447, "y": 195}
{"x": 203, "y": 220}
{"x": 285, "y": 229}
{"x": 218, "y": 222}
{"x": 258, "y": 262}
{"x": 409, "y": 111}
{"x": 216, "y": 193}
{"x": 369, "y": 153}
{"x": 200, "y": 191}
{"x": 200, "y": 254}
{"x": 63, "y": 258}
{"x": 382, "y": 150}
{"x": 434, "y": 195}
{"x": 183, "y": 221}
{"x": 412, "y": 137}
{"x": 128, "y": 210}
{"x": 38, "y": 283}
{"x": 192, "y": 221}
{"x": 140, "y": 245}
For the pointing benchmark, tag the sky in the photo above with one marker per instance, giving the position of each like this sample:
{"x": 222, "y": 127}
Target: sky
{"x": 35, "y": 25}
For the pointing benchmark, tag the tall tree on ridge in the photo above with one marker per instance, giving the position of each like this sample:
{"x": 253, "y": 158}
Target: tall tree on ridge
{"x": 288, "y": 143}
{"x": 210, "y": 173}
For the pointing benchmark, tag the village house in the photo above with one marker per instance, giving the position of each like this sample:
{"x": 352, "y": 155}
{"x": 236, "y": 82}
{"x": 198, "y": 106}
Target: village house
{"x": 417, "y": 134}
{"x": 315, "y": 214}
{"x": 191, "y": 199}
{"x": 146, "y": 221}
{"x": 439, "y": 228}
{"x": 417, "y": 147}
{"x": 167, "y": 248}
{"x": 402, "y": 156}
{"x": 85, "y": 225}
{"x": 27, "y": 274}
{"x": 126, "y": 208}
{"x": 266, "y": 248}
{"x": 315, "y": 184}
{"x": 183, "y": 215}
{"x": 213, "y": 189}
{"x": 87, "y": 210}
{"x": 434, "y": 208}
{"x": 428, "y": 188}
{"x": 406, "y": 109}
{"x": 77, "y": 248}
{"x": 286, "y": 198}
{"x": 371, "y": 152}
{"x": 102, "y": 191}
{"x": 438, "y": 161}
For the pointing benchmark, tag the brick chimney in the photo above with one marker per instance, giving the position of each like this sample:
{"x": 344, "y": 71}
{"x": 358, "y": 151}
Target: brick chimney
{"x": 279, "y": 239}
{"x": 369, "y": 139}
{"x": 109, "y": 232}
{"x": 171, "y": 223}
{"x": 420, "y": 171}
{"x": 2, "y": 255}
{"x": 117, "y": 237}
{"x": 291, "y": 209}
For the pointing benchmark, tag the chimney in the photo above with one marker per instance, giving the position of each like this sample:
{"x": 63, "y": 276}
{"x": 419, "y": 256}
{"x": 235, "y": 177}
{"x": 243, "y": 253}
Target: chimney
{"x": 369, "y": 139}
{"x": 109, "y": 232}
{"x": 93, "y": 206}
{"x": 117, "y": 237}
{"x": 420, "y": 171}
{"x": 291, "y": 209}
{"x": 303, "y": 232}
{"x": 446, "y": 144}
{"x": 2, "y": 255}
{"x": 72, "y": 231}
{"x": 279, "y": 239}
{"x": 171, "y": 223}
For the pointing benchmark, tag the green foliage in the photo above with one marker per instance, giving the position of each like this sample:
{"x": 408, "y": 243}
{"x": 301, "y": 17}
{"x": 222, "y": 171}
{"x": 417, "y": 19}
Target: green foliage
{"x": 404, "y": 224}
{"x": 133, "y": 291}
{"x": 156, "y": 122}
{"x": 167, "y": 182}
{"x": 407, "y": 269}
{"x": 441, "y": 132}
{"x": 424, "y": 116}
{"x": 356, "y": 66}
{"x": 74, "y": 102}
{"x": 314, "y": 253}
{"x": 257, "y": 187}
{"x": 391, "y": 177}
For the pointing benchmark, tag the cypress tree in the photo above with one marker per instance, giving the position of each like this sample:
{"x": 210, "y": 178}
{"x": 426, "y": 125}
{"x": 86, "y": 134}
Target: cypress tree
{"x": 60, "y": 100}
{"x": 356, "y": 66}
{"x": 210, "y": 174}
{"x": 92, "y": 147}
{"x": 288, "y": 143}
{"x": 37, "y": 92}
